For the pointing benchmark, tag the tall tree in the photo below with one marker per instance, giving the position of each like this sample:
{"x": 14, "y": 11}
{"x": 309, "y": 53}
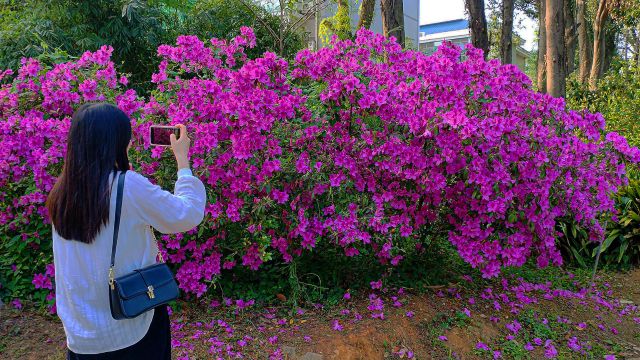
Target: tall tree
{"x": 366, "y": 13}
{"x": 570, "y": 36}
{"x": 584, "y": 56}
{"x": 393, "y": 19}
{"x": 556, "y": 55}
{"x": 541, "y": 78}
{"x": 338, "y": 24}
{"x": 479, "y": 33}
{"x": 506, "y": 41}
{"x": 598, "y": 43}
{"x": 632, "y": 36}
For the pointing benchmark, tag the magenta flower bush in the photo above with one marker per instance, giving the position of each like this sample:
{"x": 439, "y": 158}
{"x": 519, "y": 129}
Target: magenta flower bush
{"x": 360, "y": 147}
{"x": 36, "y": 106}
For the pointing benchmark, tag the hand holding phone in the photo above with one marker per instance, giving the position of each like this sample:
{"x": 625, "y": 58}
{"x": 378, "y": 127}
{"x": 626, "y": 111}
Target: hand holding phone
{"x": 167, "y": 136}
{"x": 180, "y": 147}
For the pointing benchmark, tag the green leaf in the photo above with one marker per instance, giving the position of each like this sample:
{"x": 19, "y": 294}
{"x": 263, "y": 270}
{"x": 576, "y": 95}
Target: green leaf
{"x": 622, "y": 250}
{"x": 578, "y": 257}
{"x": 607, "y": 242}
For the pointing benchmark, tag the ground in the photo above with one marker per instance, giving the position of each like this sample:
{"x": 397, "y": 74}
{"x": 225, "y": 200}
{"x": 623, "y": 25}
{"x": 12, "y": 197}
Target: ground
{"x": 463, "y": 320}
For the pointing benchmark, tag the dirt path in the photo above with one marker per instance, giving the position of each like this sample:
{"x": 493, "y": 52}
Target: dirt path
{"x": 443, "y": 323}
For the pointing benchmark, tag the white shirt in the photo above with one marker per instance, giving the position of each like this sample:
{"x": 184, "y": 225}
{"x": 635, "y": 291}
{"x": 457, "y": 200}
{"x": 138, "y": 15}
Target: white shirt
{"x": 82, "y": 270}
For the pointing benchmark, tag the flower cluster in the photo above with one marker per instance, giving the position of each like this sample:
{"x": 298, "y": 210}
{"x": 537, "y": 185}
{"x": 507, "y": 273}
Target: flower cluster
{"x": 361, "y": 146}
{"x": 36, "y": 106}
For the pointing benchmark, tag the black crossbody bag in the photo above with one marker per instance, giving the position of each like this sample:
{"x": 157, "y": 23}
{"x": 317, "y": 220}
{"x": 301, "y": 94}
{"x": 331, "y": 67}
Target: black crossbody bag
{"x": 143, "y": 289}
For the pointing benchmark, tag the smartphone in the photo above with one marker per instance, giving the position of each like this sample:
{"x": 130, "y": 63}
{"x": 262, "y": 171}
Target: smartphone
{"x": 160, "y": 134}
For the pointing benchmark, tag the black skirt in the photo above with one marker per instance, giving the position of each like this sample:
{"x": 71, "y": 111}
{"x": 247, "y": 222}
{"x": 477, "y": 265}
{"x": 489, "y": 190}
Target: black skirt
{"x": 155, "y": 345}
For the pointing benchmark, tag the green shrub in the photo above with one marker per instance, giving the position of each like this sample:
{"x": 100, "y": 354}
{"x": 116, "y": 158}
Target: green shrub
{"x": 617, "y": 98}
{"x": 574, "y": 244}
{"x": 622, "y": 245}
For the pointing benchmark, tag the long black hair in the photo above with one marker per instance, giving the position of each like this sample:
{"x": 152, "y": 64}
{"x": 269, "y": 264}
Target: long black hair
{"x": 97, "y": 145}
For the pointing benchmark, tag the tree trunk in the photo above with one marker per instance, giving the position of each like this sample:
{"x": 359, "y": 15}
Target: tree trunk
{"x": 393, "y": 19}
{"x": 610, "y": 50}
{"x": 633, "y": 44}
{"x": 506, "y": 42}
{"x": 542, "y": 48}
{"x": 479, "y": 33}
{"x": 584, "y": 57}
{"x": 366, "y": 13}
{"x": 598, "y": 44}
{"x": 636, "y": 47}
{"x": 570, "y": 36}
{"x": 556, "y": 55}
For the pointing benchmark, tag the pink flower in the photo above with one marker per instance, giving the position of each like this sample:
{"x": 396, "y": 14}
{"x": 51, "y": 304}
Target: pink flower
{"x": 550, "y": 352}
{"x": 514, "y": 327}
{"x": 252, "y": 258}
{"x": 280, "y": 197}
{"x": 472, "y": 300}
{"x": 302, "y": 165}
{"x": 16, "y": 304}
{"x": 336, "y": 325}
{"x": 41, "y": 281}
{"x": 50, "y": 270}
{"x": 574, "y": 344}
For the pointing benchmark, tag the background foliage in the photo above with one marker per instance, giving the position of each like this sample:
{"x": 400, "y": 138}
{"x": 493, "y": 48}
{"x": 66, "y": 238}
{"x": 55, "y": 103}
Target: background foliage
{"x": 60, "y": 30}
{"x": 617, "y": 98}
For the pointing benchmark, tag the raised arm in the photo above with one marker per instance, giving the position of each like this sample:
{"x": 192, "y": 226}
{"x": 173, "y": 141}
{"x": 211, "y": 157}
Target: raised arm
{"x": 171, "y": 213}
{"x": 168, "y": 213}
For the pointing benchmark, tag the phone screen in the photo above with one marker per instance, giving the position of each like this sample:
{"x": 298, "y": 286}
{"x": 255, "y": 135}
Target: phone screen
{"x": 160, "y": 135}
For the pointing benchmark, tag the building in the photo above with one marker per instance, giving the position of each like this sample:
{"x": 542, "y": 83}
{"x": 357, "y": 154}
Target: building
{"x": 458, "y": 32}
{"x": 328, "y": 8}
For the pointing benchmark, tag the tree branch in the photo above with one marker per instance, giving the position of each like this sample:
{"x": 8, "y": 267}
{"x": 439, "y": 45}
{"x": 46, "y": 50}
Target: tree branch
{"x": 307, "y": 14}
{"x": 264, "y": 23}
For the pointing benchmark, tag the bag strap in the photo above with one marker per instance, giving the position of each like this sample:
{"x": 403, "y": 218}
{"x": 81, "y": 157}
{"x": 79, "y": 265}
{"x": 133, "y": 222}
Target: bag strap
{"x": 116, "y": 225}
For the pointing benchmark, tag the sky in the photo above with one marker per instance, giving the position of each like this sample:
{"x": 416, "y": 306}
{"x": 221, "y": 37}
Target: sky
{"x": 442, "y": 10}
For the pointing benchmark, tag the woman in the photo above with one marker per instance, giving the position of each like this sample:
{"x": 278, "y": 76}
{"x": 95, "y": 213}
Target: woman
{"x": 81, "y": 207}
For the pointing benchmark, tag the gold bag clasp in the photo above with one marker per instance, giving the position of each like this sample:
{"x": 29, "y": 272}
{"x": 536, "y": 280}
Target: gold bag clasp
{"x": 150, "y": 292}
{"x": 111, "y": 280}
